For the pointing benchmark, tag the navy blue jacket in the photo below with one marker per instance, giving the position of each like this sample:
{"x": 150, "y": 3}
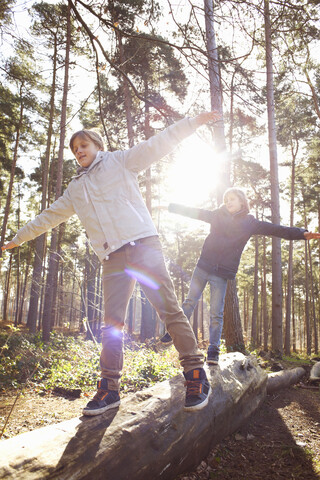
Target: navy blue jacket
{"x": 223, "y": 247}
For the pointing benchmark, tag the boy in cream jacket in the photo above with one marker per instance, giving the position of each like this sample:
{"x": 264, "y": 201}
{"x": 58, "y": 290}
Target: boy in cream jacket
{"x": 106, "y": 197}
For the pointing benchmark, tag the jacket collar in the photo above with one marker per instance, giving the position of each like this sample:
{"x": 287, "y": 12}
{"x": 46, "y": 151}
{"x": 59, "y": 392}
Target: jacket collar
{"x": 85, "y": 170}
{"x": 241, "y": 213}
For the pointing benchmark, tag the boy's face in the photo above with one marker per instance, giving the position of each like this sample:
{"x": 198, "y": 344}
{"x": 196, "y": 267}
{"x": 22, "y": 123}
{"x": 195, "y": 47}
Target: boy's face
{"x": 85, "y": 151}
{"x": 233, "y": 203}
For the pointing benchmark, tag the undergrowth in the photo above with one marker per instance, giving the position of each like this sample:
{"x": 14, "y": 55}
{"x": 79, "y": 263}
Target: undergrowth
{"x": 73, "y": 363}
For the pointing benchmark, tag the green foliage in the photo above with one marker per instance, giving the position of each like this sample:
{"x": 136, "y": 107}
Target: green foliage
{"x": 144, "y": 367}
{"x": 73, "y": 363}
{"x": 296, "y": 360}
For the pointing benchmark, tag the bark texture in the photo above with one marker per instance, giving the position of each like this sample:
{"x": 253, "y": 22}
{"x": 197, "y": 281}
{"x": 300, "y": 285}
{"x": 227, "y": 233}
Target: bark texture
{"x": 284, "y": 379}
{"x": 149, "y": 436}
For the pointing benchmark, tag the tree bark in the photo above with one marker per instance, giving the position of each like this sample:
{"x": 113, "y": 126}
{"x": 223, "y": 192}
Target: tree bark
{"x": 287, "y": 341}
{"x": 149, "y": 436}
{"x": 12, "y": 173}
{"x": 40, "y": 241}
{"x": 254, "y": 335}
{"x": 277, "y": 345}
{"x": 264, "y": 297}
{"x": 307, "y": 307}
{"x": 315, "y": 327}
{"x": 232, "y": 315}
{"x": 232, "y": 327}
{"x": 284, "y": 379}
{"x": 54, "y": 259}
{"x": 7, "y": 290}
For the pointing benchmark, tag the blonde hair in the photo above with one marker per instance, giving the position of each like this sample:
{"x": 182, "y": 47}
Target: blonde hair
{"x": 87, "y": 135}
{"x": 240, "y": 194}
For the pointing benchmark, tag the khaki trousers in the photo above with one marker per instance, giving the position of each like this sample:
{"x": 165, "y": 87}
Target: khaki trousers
{"x": 142, "y": 261}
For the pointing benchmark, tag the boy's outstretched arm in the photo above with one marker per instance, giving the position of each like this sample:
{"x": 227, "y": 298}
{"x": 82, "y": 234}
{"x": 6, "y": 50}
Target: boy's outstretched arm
{"x": 9, "y": 245}
{"x": 58, "y": 212}
{"x": 141, "y": 156}
{"x": 311, "y": 235}
{"x": 206, "y": 117}
{"x": 192, "y": 212}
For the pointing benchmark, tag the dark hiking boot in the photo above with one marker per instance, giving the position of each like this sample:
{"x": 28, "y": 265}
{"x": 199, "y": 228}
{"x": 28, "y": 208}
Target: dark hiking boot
{"x": 166, "y": 339}
{"x": 212, "y": 357}
{"x": 198, "y": 389}
{"x": 103, "y": 400}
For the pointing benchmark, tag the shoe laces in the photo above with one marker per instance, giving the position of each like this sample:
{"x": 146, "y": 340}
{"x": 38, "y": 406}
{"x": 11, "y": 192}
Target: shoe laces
{"x": 194, "y": 387}
{"x": 100, "y": 394}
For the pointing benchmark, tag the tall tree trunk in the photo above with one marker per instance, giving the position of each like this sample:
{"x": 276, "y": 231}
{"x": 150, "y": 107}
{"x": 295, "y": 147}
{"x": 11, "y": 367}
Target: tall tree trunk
{"x": 7, "y": 290}
{"x": 232, "y": 318}
{"x": 148, "y": 319}
{"x": 307, "y": 307}
{"x": 216, "y": 95}
{"x": 307, "y": 311}
{"x": 40, "y": 241}
{"x": 54, "y": 260}
{"x": 277, "y": 344}
{"x": 294, "y": 330}
{"x": 315, "y": 330}
{"x": 264, "y": 297}
{"x": 148, "y": 313}
{"x": 126, "y": 92}
{"x": 233, "y": 336}
{"x": 287, "y": 341}
{"x": 254, "y": 336}
{"x": 245, "y": 312}
{"x": 25, "y": 282}
{"x": 92, "y": 265}
{"x": 17, "y": 293}
{"x": 12, "y": 174}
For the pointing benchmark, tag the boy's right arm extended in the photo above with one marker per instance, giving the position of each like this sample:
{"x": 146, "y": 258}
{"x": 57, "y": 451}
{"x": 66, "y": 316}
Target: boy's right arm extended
{"x": 197, "y": 213}
{"x": 141, "y": 156}
{"x": 57, "y": 213}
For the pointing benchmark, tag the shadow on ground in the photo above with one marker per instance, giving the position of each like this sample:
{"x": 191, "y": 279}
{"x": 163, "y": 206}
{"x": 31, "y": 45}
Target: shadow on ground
{"x": 281, "y": 440}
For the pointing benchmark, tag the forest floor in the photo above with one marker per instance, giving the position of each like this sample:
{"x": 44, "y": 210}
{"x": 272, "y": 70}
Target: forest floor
{"x": 281, "y": 440}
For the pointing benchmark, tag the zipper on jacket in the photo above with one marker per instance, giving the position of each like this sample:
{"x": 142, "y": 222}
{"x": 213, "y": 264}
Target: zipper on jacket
{"x": 134, "y": 210}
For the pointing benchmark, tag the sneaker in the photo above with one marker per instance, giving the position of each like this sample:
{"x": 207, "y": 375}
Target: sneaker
{"x": 198, "y": 389}
{"x": 103, "y": 400}
{"x": 212, "y": 358}
{"x": 166, "y": 338}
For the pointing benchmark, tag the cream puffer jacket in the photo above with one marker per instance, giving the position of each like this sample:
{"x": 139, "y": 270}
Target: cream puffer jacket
{"x": 106, "y": 195}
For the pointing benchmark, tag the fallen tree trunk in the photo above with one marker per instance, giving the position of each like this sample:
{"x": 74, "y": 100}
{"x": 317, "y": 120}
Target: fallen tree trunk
{"x": 283, "y": 379}
{"x": 149, "y": 436}
{"x": 315, "y": 373}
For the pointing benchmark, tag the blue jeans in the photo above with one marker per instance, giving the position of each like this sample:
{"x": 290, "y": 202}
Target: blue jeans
{"x": 218, "y": 288}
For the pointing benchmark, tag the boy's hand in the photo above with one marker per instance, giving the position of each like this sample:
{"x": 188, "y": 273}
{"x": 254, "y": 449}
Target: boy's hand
{"x": 8, "y": 245}
{"x": 206, "y": 117}
{"x": 311, "y": 235}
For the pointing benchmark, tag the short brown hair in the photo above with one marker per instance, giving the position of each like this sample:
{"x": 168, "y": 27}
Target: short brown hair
{"x": 88, "y": 135}
{"x": 240, "y": 194}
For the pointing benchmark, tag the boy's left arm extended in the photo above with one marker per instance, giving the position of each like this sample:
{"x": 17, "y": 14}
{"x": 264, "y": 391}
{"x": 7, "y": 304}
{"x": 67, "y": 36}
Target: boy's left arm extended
{"x": 141, "y": 156}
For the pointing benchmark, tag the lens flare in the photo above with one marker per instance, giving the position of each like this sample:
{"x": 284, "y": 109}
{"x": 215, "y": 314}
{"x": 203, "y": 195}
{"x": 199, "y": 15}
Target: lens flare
{"x": 142, "y": 278}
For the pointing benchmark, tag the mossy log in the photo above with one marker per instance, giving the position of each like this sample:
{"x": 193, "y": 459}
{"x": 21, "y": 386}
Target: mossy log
{"x": 148, "y": 436}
